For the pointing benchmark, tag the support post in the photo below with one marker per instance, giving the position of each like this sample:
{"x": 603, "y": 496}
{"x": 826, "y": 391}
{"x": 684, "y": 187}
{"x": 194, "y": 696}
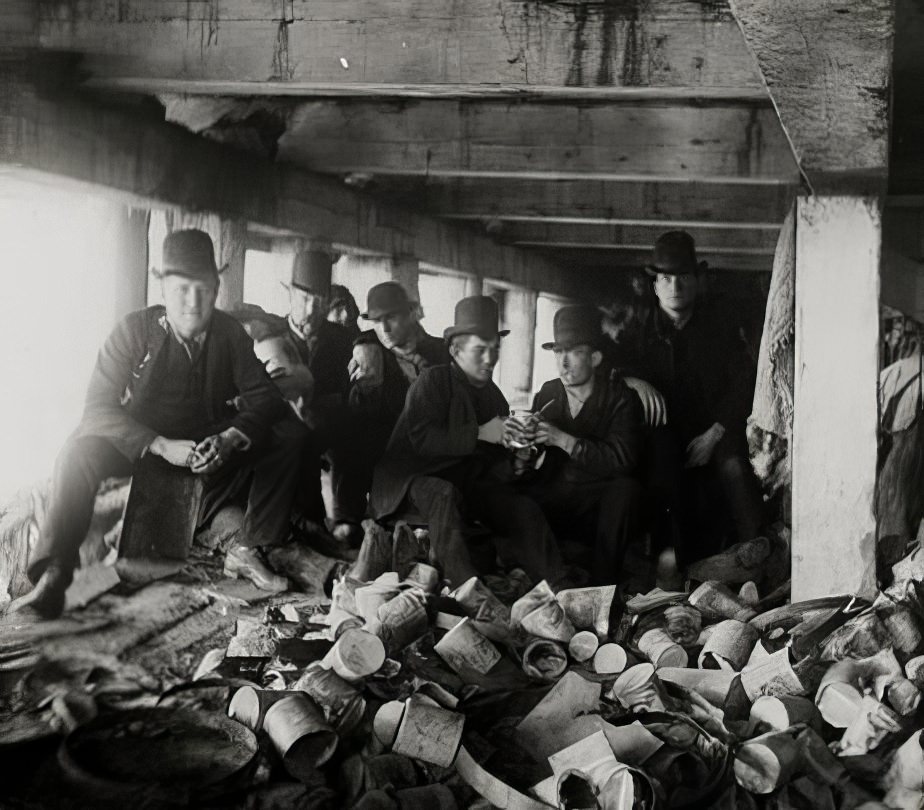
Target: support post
{"x": 130, "y": 240}
{"x": 519, "y": 316}
{"x": 838, "y": 247}
{"x": 406, "y": 271}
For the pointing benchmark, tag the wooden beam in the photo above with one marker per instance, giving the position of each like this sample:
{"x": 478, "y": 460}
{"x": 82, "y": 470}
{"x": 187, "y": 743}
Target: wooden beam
{"x": 502, "y": 139}
{"x": 595, "y": 201}
{"x": 163, "y": 164}
{"x": 827, "y": 66}
{"x": 761, "y": 240}
{"x": 516, "y": 43}
{"x": 571, "y": 256}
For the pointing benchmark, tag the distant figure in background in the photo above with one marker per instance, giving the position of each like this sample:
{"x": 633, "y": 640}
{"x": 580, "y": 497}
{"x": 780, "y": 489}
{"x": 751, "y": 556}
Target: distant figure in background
{"x": 343, "y": 309}
{"x": 591, "y": 430}
{"x": 694, "y": 355}
{"x": 447, "y": 458}
{"x": 179, "y": 381}
{"x": 325, "y": 348}
{"x": 386, "y": 360}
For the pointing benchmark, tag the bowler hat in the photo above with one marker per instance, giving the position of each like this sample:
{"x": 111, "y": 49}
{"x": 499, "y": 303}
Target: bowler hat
{"x": 476, "y": 315}
{"x": 385, "y": 299}
{"x": 578, "y": 325}
{"x": 675, "y": 255}
{"x": 311, "y": 271}
{"x": 189, "y": 253}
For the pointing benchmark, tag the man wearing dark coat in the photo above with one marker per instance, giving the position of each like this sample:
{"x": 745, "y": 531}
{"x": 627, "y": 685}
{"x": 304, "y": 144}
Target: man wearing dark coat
{"x": 325, "y": 348}
{"x": 589, "y": 424}
{"x": 386, "y": 360}
{"x": 179, "y": 381}
{"x": 696, "y": 357}
{"x": 447, "y": 457}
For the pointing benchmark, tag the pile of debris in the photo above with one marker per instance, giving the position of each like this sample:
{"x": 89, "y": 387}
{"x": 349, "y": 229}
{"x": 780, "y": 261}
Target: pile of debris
{"x": 400, "y": 692}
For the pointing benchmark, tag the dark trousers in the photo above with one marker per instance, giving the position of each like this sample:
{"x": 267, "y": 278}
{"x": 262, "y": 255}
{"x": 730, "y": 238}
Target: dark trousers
{"x": 352, "y": 462}
{"x": 268, "y": 475}
{"x": 522, "y": 535}
{"x": 607, "y": 511}
{"x": 701, "y": 504}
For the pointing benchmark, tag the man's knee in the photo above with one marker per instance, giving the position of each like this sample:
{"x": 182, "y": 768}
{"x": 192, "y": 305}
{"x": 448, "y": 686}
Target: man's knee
{"x": 92, "y": 458}
{"x": 428, "y": 491}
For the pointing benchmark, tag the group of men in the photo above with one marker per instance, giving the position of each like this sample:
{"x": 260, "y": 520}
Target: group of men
{"x": 412, "y": 425}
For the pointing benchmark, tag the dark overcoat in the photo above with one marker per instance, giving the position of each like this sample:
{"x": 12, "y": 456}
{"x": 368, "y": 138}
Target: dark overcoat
{"x": 609, "y": 428}
{"x": 437, "y": 429}
{"x": 237, "y": 390}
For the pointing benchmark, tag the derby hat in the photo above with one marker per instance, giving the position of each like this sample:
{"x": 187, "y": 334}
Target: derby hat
{"x": 578, "y": 325}
{"x": 675, "y": 255}
{"x": 312, "y": 270}
{"x": 476, "y": 315}
{"x": 189, "y": 253}
{"x": 384, "y": 299}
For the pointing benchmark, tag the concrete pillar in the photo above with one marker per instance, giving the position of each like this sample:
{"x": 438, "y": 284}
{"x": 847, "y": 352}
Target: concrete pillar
{"x": 838, "y": 246}
{"x": 474, "y": 285}
{"x": 516, "y": 367}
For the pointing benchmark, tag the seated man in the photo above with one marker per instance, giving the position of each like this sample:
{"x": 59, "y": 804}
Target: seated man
{"x": 386, "y": 360}
{"x": 166, "y": 382}
{"x": 693, "y": 354}
{"x": 325, "y": 349}
{"x": 591, "y": 426}
{"x": 447, "y": 456}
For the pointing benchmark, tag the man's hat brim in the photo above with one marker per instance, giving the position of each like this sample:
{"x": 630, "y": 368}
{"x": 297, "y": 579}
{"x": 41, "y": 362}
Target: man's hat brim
{"x": 566, "y": 346}
{"x": 162, "y": 272}
{"x": 684, "y": 270}
{"x": 378, "y": 314}
{"x": 454, "y": 331}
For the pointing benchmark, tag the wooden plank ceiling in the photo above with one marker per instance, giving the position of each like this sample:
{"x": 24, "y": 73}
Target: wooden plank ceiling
{"x": 577, "y": 129}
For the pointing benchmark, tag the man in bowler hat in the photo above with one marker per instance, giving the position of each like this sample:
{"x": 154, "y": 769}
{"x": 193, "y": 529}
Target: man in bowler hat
{"x": 447, "y": 457}
{"x": 325, "y": 348}
{"x": 179, "y": 381}
{"x": 589, "y": 428}
{"x": 696, "y": 357}
{"x": 386, "y": 359}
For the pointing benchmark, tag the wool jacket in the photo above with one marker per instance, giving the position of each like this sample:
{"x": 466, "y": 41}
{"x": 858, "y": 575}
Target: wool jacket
{"x": 437, "y": 429}
{"x": 609, "y": 428}
{"x": 379, "y": 408}
{"x": 237, "y": 390}
{"x": 328, "y": 361}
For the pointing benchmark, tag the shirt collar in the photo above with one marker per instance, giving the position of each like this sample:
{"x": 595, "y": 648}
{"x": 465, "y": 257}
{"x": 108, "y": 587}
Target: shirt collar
{"x": 191, "y": 347}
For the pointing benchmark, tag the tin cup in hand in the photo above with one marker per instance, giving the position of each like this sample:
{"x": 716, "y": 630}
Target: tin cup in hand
{"x": 525, "y": 422}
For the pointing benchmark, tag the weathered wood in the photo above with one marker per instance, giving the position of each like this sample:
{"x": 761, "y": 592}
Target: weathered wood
{"x": 574, "y": 256}
{"x": 628, "y": 203}
{"x": 827, "y": 67}
{"x": 836, "y": 410}
{"x": 629, "y": 236}
{"x": 163, "y": 164}
{"x": 541, "y": 141}
{"x": 511, "y": 42}
{"x": 906, "y": 175}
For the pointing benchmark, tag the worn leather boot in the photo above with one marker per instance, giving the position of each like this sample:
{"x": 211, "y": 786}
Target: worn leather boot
{"x": 247, "y": 563}
{"x": 47, "y": 597}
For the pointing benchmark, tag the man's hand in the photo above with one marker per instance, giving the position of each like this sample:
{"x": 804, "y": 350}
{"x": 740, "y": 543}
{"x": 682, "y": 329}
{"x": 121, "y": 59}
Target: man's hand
{"x": 211, "y": 453}
{"x": 366, "y": 366}
{"x": 492, "y": 432}
{"x": 653, "y": 403}
{"x": 548, "y": 434}
{"x": 175, "y": 451}
{"x": 700, "y": 450}
{"x": 519, "y": 434}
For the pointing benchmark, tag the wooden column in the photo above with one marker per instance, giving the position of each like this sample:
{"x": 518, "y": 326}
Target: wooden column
{"x": 516, "y": 370}
{"x": 131, "y": 250}
{"x": 838, "y": 245}
{"x": 406, "y": 271}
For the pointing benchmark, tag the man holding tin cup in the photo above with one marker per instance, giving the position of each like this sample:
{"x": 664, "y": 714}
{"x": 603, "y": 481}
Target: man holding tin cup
{"x": 577, "y": 451}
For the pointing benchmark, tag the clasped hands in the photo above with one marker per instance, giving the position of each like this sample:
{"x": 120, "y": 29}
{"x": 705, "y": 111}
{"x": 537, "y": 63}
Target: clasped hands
{"x": 202, "y": 458}
{"x": 520, "y": 435}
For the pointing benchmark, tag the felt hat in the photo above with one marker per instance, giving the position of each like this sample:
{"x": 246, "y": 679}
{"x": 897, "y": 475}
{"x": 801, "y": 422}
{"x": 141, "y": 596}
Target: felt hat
{"x": 312, "y": 270}
{"x": 675, "y": 255}
{"x": 385, "y": 299}
{"x": 476, "y": 315}
{"x": 189, "y": 253}
{"x": 578, "y": 325}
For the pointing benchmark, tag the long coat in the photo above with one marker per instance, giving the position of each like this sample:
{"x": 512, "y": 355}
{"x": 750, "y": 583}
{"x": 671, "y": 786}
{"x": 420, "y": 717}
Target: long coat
{"x": 237, "y": 390}
{"x": 377, "y": 409}
{"x": 610, "y": 429}
{"x": 437, "y": 429}
{"x": 703, "y": 371}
